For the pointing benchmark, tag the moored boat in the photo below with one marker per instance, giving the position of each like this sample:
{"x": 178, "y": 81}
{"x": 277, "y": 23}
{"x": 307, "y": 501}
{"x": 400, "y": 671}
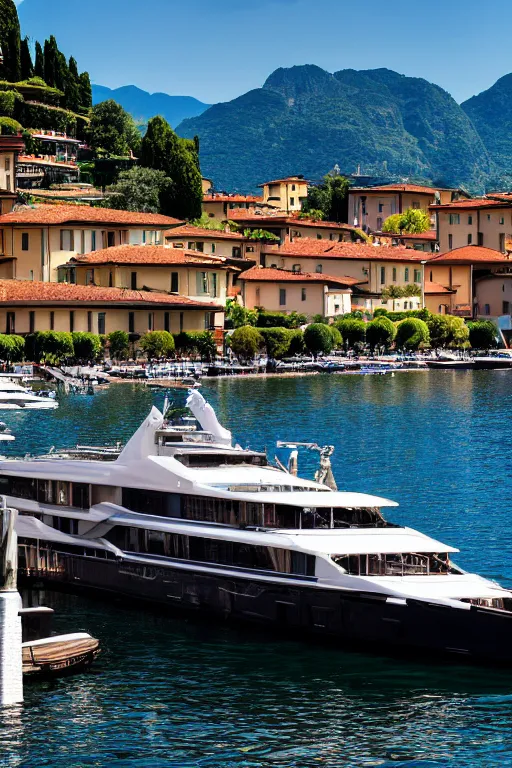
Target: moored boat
{"x": 184, "y": 518}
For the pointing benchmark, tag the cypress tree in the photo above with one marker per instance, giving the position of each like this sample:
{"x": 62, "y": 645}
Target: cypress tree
{"x": 39, "y": 64}
{"x": 27, "y": 68}
{"x": 72, "y": 86}
{"x": 10, "y": 69}
{"x": 50, "y": 61}
{"x": 85, "y": 91}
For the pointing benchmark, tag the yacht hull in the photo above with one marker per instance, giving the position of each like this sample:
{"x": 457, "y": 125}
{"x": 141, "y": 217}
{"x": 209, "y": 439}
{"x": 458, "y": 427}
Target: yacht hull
{"x": 352, "y": 619}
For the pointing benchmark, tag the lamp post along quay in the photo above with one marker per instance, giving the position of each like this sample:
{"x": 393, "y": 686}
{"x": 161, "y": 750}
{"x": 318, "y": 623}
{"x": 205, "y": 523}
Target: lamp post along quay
{"x": 11, "y": 668}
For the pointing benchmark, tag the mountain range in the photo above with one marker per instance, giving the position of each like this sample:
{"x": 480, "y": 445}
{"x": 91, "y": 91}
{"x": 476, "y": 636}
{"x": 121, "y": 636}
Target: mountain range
{"x": 143, "y": 105}
{"x": 306, "y": 120}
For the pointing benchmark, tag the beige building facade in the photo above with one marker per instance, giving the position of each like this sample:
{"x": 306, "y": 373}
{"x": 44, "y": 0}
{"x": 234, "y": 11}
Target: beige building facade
{"x": 286, "y": 194}
{"x": 279, "y": 290}
{"x": 485, "y": 223}
{"x": 27, "y": 307}
{"x": 34, "y": 242}
{"x": 369, "y": 207}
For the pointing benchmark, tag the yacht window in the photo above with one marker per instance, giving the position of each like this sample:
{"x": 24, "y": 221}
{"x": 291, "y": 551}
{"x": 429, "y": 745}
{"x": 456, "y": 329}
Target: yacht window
{"x": 406, "y": 564}
{"x": 205, "y": 550}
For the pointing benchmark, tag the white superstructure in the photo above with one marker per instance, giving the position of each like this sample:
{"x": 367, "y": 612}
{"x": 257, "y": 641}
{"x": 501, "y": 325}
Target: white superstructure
{"x": 185, "y": 496}
{"x": 15, "y": 397}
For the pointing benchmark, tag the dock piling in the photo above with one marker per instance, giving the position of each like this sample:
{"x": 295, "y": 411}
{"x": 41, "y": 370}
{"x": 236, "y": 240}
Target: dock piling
{"x": 11, "y": 668}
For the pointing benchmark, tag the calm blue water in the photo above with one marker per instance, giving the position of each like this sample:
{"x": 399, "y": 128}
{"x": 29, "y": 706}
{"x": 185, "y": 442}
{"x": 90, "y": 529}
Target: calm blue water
{"x": 170, "y": 692}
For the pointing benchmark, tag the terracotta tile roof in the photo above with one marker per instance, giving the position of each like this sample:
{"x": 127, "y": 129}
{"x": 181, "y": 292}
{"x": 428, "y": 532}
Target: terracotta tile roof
{"x": 251, "y": 216}
{"x": 28, "y": 292}
{"x": 421, "y": 190}
{"x": 33, "y": 160}
{"x": 6, "y": 193}
{"x": 292, "y": 179}
{"x": 436, "y": 288}
{"x": 84, "y": 214}
{"x": 66, "y": 194}
{"x": 188, "y": 230}
{"x": 430, "y": 235}
{"x": 505, "y": 196}
{"x": 328, "y": 249}
{"x": 146, "y": 254}
{"x": 220, "y": 198}
{"x": 272, "y": 275}
{"x": 458, "y": 205}
{"x": 470, "y": 254}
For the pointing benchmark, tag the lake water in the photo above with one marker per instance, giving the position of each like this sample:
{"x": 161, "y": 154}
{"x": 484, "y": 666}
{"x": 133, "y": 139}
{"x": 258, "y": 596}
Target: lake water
{"x": 171, "y": 692}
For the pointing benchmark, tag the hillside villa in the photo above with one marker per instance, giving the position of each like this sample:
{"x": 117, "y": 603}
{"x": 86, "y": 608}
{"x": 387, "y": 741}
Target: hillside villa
{"x": 483, "y": 222}
{"x": 369, "y": 207}
{"x": 286, "y": 194}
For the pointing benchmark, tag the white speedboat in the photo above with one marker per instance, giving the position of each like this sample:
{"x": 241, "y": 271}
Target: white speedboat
{"x": 181, "y": 517}
{"x": 5, "y": 433}
{"x": 14, "y": 397}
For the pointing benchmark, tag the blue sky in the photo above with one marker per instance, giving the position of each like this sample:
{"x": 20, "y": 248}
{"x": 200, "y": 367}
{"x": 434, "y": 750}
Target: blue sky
{"x": 217, "y": 51}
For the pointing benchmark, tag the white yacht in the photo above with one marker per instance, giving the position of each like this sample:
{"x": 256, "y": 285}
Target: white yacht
{"x": 183, "y": 518}
{"x": 14, "y": 397}
{"x": 5, "y": 433}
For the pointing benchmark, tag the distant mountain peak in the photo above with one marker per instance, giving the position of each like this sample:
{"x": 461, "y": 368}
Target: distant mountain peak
{"x": 144, "y": 105}
{"x": 308, "y": 119}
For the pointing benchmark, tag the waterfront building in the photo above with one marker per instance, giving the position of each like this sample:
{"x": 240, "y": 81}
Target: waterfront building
{"x": 192, "y": 274}
{"x": 10, "y": 147}
{"x": 35, "y": 241}
{"x": 459, "y": 272}
{"x": 286, "y": 194}
{"x": 27, "y": 307}
{"x": 481, "y": 222}
{"x": 369, "y": 207}
{"x": 374, "y": 267}
{"x": 310, "y": 293}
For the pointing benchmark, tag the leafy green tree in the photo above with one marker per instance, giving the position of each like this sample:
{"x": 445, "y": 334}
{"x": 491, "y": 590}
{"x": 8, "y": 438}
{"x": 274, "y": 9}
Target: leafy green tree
{"x": 27, "y": 68}
{"x": 157, "y": 344}
{"x": 483, "y": 334}
{"x": 201, "y": 343}
{"x": 412, "y": 333}
{"x": 87, "y": 346}
{"x": 119, "y": 344}
{"x": 55, "y": 65}
{"x": 39, "y": 62}
{"x": 84, "y": 84}
{"x": 53, "y": 346}
{"x": 10, "y": 70}
{"x": 318, "y": 339}
{"x": 267, "y": 319}
{"x": 353, "y": 331}
{"x": 337, "y": 338}
{"x": 413, "y": 221}
{"x": 237, "y": 316}
{"x": 329, "y": 197}
{"x": 138, "y": 189}
{"x": 163, "y": 150}
{"x": 296, "y": 342}
{"x": 439, "y": 330}
{"x": 72, "y": 86}
{"x": 246, "y": 342}
{"x": 112, "y": 130}
{"x": 277, "y": 341}
{"x": 380, "y": 332}
{"x": 12, "y": 348}
{"x": 459, "y": 332}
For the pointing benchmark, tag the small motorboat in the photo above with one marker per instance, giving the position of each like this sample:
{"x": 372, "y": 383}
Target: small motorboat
{"x": 5, "y": 433}
{"x": 53, "y": 655}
